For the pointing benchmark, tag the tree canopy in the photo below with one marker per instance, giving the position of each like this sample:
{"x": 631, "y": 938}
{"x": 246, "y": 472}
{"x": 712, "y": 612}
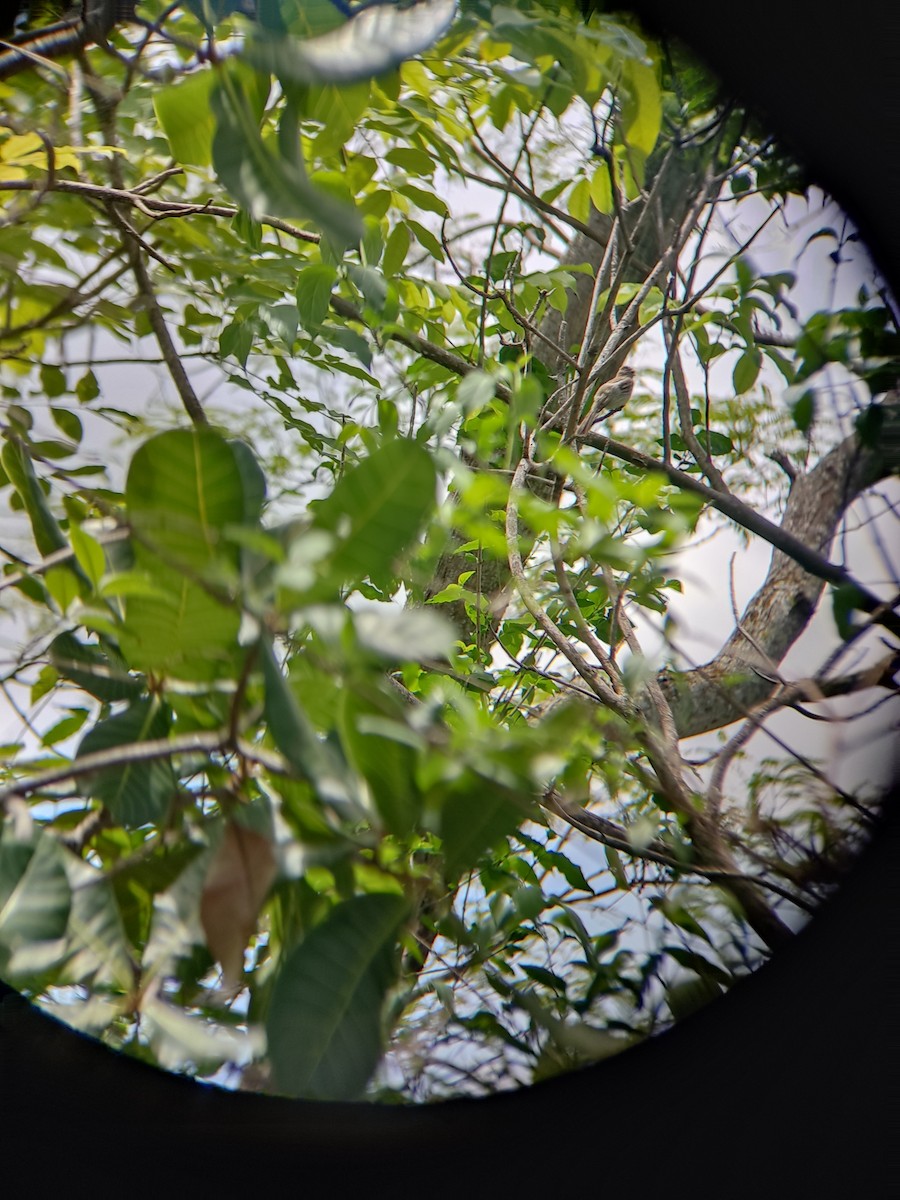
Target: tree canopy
{"x": 353, "y": 722}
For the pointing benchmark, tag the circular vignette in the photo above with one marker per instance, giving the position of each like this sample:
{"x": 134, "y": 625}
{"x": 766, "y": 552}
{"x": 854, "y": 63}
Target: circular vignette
{"x": 836, "y": 963}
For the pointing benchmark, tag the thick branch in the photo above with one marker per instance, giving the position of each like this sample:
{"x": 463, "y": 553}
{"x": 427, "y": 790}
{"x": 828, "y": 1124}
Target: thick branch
{"x": 722, "y": 690}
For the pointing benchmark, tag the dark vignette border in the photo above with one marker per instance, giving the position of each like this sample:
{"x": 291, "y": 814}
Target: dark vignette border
{"x": 782, "y": 1087}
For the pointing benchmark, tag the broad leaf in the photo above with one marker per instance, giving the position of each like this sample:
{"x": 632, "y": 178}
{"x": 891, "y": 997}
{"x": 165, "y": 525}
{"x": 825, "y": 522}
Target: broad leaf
{"x": 475, "y": 814}
{"x": 324, "y": 1024}
{"x": 378, "y": 507}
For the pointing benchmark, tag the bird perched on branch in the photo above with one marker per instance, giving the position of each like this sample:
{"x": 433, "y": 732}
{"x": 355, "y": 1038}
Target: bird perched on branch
{"x": 610, "y": 398}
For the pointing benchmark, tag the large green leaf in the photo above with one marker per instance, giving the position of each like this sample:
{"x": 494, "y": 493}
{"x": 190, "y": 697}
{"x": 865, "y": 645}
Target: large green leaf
{"x": 183, "y": 110}
{"x": 378, "y": 507}
{"x": 96, "y": 937}
{"x": 325, "y": 1020}
{"x": 184, "y": 486}
{"x": 186, "y": 489}
{"x": 314, "y": 287}
{"x": 135, "y": 793}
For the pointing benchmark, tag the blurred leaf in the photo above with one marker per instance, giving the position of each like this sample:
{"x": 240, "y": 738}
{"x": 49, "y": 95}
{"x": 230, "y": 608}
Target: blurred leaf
{"x": 314, "y": 287}
{"x": 35, "y": 899}
{"x": 184, "y": 112}
{"x": 261, "y": 180}
{"x": 387, "y": 762}
{"x": 16, "y": 461}
{"x": 846, "y": 601}
{"x": 475, "y": 814}
{"x": 136, "y": 793}
{"x": 377, "y": 508}
{"x": 804, "y": 411}
{"x": 370, "y": 43}
{"x": 746, "y": 370}
{"x": 311, "y": 757}
{"x": 401, "y": 635}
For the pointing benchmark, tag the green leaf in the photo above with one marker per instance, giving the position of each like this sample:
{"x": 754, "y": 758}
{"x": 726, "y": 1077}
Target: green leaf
{"x": 35, "y": 899}
{"x": 96, "y": 938}
{"x": 377, "y": 508}
{"x": 371, "y": 283}
{"x": 423, "y": 199}
{"x": 65, "y": 727}
{"x": 474, "y": 816}
{"x": 804, "y": 411}
{"x": 16, "y": 462}
{"x": 314, "y": 287}
{"x": 475, "y": 390}
{"x": 377, "y": 746}
{"x": 746, "y": 370}
{"x": 579, "y": 202}
{"x": 642, "y": 110}
{"x": 407, "y": 158}
{"x": 395, "y": 250}
{"x": 600, "y": 188}
{"x": 426, "y": 239}
{"x": 846, "y": 601}
{"x": 547, "y": 978}
{"x": 136, "y": 793}
{"x": 571, "y": 872}
{"x": 324, "y": 1024}
{"x": 53, "y": 382}
{"x": 183, "y": 110}
{"x": 95, "y": 672}
{"x": 262, "y": 181}
{"x": 88, "y": 552}
{"x": 185, "y": 489}
{"x": 67, "y": 421}
{"x": 87, "y": 388}
{"x": 714, "y": 442}
{"x": 312, "y": 758}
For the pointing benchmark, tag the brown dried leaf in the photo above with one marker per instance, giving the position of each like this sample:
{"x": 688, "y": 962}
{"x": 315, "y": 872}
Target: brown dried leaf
{"x": 237, "y": 883}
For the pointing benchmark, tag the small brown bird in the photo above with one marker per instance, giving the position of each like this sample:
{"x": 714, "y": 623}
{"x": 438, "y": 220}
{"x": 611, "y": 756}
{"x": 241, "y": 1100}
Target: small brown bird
{"x": 610, "y": 398}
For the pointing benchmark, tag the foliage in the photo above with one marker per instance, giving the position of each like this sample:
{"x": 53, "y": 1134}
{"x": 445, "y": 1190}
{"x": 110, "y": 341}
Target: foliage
{"x": 343, "y": 767}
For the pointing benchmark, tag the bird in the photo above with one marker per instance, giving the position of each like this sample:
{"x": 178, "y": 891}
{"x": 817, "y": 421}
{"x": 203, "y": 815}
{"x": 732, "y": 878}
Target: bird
{"x": 610, "y": 398}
